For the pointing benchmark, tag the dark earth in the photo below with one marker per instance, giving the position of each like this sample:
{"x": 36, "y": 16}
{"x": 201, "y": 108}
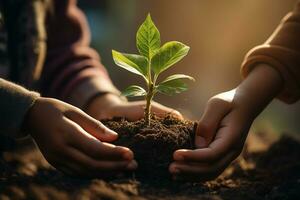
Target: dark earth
{"x": 268, "y": 168}
{"x": 153, "y": 145}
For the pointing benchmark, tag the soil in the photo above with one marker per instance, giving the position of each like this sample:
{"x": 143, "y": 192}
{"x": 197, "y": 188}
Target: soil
{"x": 154, "y": 145}
{"x": 268, "y": 168}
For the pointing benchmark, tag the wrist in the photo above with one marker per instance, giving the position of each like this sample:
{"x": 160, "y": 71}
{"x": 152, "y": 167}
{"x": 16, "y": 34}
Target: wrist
{"x": 259, "y": 88}
{"x": 29, "y": 117}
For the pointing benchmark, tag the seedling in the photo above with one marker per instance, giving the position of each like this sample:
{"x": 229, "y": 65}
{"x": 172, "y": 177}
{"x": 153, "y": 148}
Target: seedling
{"x": 152, "y": 61}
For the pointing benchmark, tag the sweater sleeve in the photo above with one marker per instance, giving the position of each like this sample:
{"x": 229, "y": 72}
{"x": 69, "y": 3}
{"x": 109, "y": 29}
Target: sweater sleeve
{"x": 15, "y": 101}
{"x": 73, "y": 71}
{"x": 281, "y": 51}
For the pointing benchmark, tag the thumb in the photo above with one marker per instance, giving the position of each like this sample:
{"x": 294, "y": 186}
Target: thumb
{"x": 92, "y": 126}
{"x": 135, "y": 110}
{"x": 209, "y": 123}
{"x": 161, "y": 110}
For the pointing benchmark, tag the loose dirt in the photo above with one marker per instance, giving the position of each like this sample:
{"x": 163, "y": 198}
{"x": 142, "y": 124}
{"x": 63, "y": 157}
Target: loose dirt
{"x": 153, "y": 145}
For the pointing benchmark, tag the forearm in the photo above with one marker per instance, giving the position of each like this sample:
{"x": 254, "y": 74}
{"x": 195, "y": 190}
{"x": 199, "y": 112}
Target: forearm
{"x": 282, "y": 52}
{"x": 259, "y": 88}
{"x": 15, "y": 101}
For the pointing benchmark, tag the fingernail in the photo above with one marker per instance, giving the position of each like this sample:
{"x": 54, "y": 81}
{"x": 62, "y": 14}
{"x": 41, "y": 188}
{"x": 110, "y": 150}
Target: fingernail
{"x": 108, "y": 131}
{"x": 132, "y": 165}
{"x": 128, "y": 155}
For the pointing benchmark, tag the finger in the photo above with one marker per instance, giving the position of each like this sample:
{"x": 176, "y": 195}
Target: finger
{"x": 103, "y": 165}
{"x": 161, "y": 110}
{"x": 71, "y": 168}
{"x": 191, "y": 173}
{"x": 200, "y": 171}
{"x": 133, "y": 111}
{"x": 92, "y": 126}
{"x": 197, "y": 155}
{"x": 223, "y": 143}
{"x": 82, "y": 141}
{"x": 209, "y": 123}
{"x": 81, "y": 164}
{"x": 136, "y": 110}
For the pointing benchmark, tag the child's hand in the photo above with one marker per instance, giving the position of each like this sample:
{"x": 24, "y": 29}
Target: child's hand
{"x": 224, "y": 126}
{"x": 221, "y": 134}
{"x": 110, "y": 105}
{"x": 74, "y": 142}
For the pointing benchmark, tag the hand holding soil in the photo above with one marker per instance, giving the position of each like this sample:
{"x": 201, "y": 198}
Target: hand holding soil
{"x": 74, "y": 142}
{"x": 224, "y": 126}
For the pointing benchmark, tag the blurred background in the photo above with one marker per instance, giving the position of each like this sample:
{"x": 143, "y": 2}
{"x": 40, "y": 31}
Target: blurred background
{"x": 219, "y": 33}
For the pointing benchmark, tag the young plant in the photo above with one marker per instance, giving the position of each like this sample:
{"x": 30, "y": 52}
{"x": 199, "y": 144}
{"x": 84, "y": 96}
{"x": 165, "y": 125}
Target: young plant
{"x": 152, "y": 61}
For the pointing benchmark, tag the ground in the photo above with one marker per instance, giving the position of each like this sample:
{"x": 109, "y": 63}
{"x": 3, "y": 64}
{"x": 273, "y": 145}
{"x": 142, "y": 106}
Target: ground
{"x": 269, "y": 168}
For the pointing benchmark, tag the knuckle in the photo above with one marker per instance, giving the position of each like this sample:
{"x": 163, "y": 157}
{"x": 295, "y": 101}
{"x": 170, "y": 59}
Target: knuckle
{"x": 219, "y": 102}
{"x": 70, "y": 113}
{"x": 74, "y": 113}
{"x": 101, "y": 128}
{"x": 213, "y": 101}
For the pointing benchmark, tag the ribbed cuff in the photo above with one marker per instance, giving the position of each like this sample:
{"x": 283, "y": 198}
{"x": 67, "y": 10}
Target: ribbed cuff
{"x": 15, "y": 101}
{"x": 282, "y": 60}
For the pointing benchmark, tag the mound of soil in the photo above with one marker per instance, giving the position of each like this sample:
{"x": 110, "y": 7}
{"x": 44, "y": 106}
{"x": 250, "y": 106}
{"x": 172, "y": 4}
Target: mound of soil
{"x": 153, "y": 146}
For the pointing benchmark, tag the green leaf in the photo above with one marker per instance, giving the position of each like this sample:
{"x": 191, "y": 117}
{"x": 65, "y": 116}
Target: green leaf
{"x": 169, "y": 54}
{"x": 177, "y": 76}
{"x": 134, "y": 91}
{"x": 148, "y": 38}
{"x": 134, "y": 63}
{"x": 173, "y": 84}
{"x": 170, "y": 89}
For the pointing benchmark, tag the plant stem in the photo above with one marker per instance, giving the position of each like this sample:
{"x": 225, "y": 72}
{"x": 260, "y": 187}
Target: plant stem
{"x": 149, "y": 95}
{"x": 148, "y": 104}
